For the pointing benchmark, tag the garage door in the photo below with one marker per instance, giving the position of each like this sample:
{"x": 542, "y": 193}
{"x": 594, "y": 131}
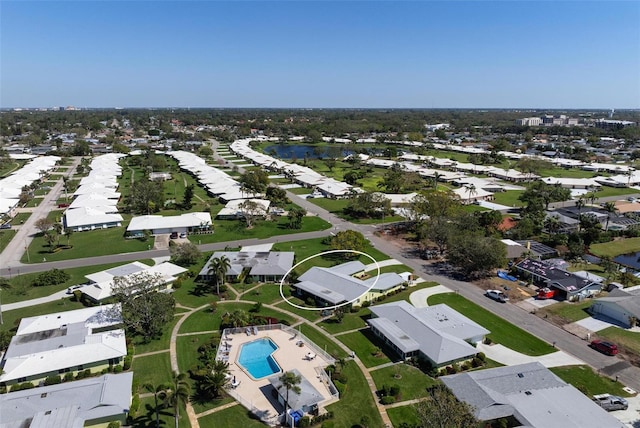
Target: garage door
{"x": 610, "y": 311}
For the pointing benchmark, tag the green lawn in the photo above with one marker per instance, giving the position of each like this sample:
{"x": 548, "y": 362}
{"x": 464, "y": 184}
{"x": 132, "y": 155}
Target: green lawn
{"x": 404, "y": 294}
{"x": 156, "y": 344}
{"x": 589, "y": 382}
{"x": 233, "y": 417}
{"x": 615, "y": 248}
{"x": 569, "y": 311}
{"x": 369, "y": 349}
{"x": 407, "y": 414}
{"x": 146, "y": 416}
{"x": 154, "y": 369}
{"x": 351, "y": 321}
{"x": 12, "y": 318}
{"x": 502, "y": 331}
{"x": 412, "y": 382}
{"x": 265, "y": 293}
{"x": 560, "y": 172}
{"x": 508, "y": 198}
{"x": 5, "y": 237}
{"x": 231, "y": 230}
{"x": 322, "y": 341}
{"x": 303, "y": 313}
{"x": 615, "y": 191}
{"x": 336, "y": 206}
{"x": 187, "y": 349}
{"x": 84, "y": 245}
{"x": 625, "y": 338}
{"x": 20, "y": 218}
{"x": 393, "y": 268}
{"x": 300, "y": 190}
{"x": 355, "y": 402}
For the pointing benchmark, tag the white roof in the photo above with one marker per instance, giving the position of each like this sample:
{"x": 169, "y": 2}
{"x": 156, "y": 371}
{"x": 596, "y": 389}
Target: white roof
{"x": 92, "y": 200}
{"x": 464, "y": 194}
{"x": 233, "y": 207}
{"x": 90, "y": 216}
{"x": 94, "y": 317}
{"x": 153, "y": 222}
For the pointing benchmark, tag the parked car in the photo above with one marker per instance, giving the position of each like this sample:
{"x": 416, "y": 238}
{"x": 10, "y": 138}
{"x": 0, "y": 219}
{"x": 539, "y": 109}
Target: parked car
{"x": 174, "y": 235}
{"x": 611, "y": 402}
{"x": 546, "y": 293}
{"x": 497, "y": 295}
{"x": 607, "y": 348}
{"x": 183, "y": 234}
{"x": 73, "y": 288}
{"x": 6, "y": 226}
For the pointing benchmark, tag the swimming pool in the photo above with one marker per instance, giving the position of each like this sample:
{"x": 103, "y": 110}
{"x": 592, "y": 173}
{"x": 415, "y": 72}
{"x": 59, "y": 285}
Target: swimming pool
{"x": 256, "y": 358}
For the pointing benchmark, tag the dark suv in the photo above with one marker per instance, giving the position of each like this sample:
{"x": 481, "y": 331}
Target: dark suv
{"x": 174, "y": 235}
{"x": 604, "y": 347}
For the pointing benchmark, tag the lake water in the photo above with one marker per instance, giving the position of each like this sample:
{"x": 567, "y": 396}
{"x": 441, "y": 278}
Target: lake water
{"x": 630, "y": 260}
{"x": 289, "y": 151}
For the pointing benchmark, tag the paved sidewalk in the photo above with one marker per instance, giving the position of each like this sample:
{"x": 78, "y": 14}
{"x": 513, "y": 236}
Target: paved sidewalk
{"x": 510, "y": 357}
{"x": 419, "y": 297}
{"x": 383, "y": 263}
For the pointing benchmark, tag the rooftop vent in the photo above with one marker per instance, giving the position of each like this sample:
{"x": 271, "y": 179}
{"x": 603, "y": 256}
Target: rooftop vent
{"x": 527, "y": 393}
{"x": 520, "y": 375}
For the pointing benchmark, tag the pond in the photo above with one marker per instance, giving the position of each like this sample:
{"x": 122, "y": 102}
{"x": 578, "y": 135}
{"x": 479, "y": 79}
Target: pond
{"x": 298, "y": 151}
{"x": 631, "y": 260}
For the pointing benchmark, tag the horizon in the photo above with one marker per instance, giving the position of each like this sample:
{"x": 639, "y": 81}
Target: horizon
{"x": 323, "y": 54}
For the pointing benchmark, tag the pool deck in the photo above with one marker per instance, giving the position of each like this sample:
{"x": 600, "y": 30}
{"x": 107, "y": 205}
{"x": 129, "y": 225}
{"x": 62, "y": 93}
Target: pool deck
{"x": 256, "y": 394}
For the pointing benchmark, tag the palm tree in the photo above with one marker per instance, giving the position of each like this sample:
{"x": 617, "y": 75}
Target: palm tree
{"x": 471, "y": 190}
{"x": 214, "y": 381}
{"x": 580, "y": 203}
{"x": 552, "y": 224}
{"x": 212, "y": 272}
{"x": 158, "y": 391}
{"x": 290, "y": 382}
{"x": 68, "y": 232}
{"x": 223, "y": 266}
{"x": 178, "y": 394}
{"x": 610, "y": 208}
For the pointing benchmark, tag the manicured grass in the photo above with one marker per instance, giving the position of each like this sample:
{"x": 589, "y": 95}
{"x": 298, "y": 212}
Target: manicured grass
{"x": 154, "y": 369}
{"x": 404, "y": 294}
{"x": 369, "y": 349}
{"x": 406, "y": 414}
{"x": 569, "y": 311}
{"x": 155, "y": 344}
{"x": 187, "y": 349}
{"x": 22, "y": 289}
{"x": 508, "y": 198}
{"x": 615, "y": 248}
{"x": 560, "y": 172}
{"x": 322, "y": 341}
{"x": 615, "y": 191}
{"x": 84, "y": 245}
{"x": 412, "y": 382}
{"x": 336, "y": 206}
{"x": 5, "y": 237}
{"x": 231, "y": 230}
{"x": 303, "y": 313}
{"x": 300, "y": 190}
{"x": 393, "y": 268}
{"x": 265, "y": 293}
{"x": 351, "y": 321}
{"x": 20, "y": 218}
{"x": 472, "y": 208}
{"x": 355, "y": 402}
{"x": 146, "y": 416}
{"x": 502, "y": 331}
{"x": 233, "y": 417}
{"x": 589, "y": 382}
{"x": 625, "y": 338}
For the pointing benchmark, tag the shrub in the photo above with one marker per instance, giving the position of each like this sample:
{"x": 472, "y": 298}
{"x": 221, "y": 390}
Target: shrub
{"x": 340, "y": 377}
{"x": 53, "y": 380}
{"x": 51, "y": 277}
{"x": 3, "y": 389}
{"x": 465, "y": 366}
{"x": 487, "y": 340}
{"x": 394, "y": 390}
{"x": 114, "y": 424}
{"x": 304, "y": 422}
{"x": 366, "y": 304}
{"x": 127, "y": 362}
{"x": 256, "y": 307}
{"x": 117, "y": 369}
{"x": 68, "y": 377}
{"x": 135, "y": 405}
{"x": 452, "y": 369}
{"x": 328, "y": 424}
{"x": 482, "y": 356}
{"x": 388, "y": 399}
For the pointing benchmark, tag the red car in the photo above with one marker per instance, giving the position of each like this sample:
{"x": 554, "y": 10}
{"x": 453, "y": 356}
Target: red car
{"x": 604, "y": 347}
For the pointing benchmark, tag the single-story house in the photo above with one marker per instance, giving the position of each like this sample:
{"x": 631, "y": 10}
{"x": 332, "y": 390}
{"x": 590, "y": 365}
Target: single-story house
{"x": 100, "y": 284}
{"x": 437, "y": 333}
{"x": 529, "y": 393}
{"x": 303, "y": 402}
{"x": 91, "y": 218}
{"x": 338, "y": 285}
{"x": 157, "y": 224}
{"x": 514, "y": 249}
{"x": 263, "y": 265}
{"x": 571, "y": 286}
{"x": 88, "y": 402}
{"x": 619, "y": 305}
{"x": 470, "y": 195}
{"x": 233, "y": 209}
{"x": 61, "y": 343}
{"x": 572, "y": 183}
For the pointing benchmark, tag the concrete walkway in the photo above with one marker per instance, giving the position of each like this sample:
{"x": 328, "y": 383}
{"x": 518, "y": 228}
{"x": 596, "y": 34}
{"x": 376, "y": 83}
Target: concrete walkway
{"x": 40, "y": 300}
{"x": 509, "y": 357}
{"x": 419, "y": 297}
{"x": 383, "y": 263}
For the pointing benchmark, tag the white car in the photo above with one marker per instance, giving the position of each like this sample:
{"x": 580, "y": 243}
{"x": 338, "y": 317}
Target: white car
{"x": 497, "y": 295}
{"x": 73, "y": 288}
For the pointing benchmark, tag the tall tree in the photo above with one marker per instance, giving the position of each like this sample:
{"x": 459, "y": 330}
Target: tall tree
{"x": 178, "y": 393}
{"x": 295, "y": 216}
{"x": 254, "y": 181}
{"x": 349, "y": 240}
{"x": 250, "y": 210}
{"x": 290, "y": 382}
{"x": 158, "y": 392}
{"x": 610, "y": 208}
{"x": 188, "y": 197}
{"x": 185, "y": 254}
{"x": 443, "y": 410}
{"x": 213, "y": 382}
{"x": 218, "y": 269}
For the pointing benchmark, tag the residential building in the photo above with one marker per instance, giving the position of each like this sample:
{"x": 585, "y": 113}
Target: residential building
{"x": 527, "y": 395}
{"x": 620, "y": 305}
{"x": 64, "y": 342}
{"x": 157, "y": 224}
{"x": 570, "y": 286}
{"x": 437, "y": 333}
{"x": 304, "y": 401}
{"x": 341, "y": 284}
{"x": 258, "y": 261}
{"x": 84, "y": 403}
{"x": 235, "y": 209}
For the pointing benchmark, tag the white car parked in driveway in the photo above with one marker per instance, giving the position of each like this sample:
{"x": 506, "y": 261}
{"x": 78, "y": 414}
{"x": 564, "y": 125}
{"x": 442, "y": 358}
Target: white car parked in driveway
{"x": 497, "y": 295}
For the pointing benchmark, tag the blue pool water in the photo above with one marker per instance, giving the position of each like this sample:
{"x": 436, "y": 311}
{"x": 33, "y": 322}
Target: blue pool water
{"x": 256, "y": 358}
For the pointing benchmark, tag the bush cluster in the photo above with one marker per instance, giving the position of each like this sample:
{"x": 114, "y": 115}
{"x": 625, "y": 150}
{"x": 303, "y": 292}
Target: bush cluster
{"x": 51, "y": 277}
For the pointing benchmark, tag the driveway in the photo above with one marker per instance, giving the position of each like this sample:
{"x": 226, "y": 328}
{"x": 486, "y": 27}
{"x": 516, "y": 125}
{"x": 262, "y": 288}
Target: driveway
{"x": 419, "y": 297}
{"x": 631, "y": 416}
{"x": 510, "y": 357}
{"x": 597, "y": 324}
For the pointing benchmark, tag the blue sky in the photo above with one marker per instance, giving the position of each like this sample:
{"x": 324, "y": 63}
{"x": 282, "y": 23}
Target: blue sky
{"x": 370, "y": 54}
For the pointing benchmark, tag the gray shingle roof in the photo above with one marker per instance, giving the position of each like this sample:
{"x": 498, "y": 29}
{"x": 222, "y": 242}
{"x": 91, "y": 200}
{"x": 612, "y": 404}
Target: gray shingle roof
{"x": 531, "y": 393}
